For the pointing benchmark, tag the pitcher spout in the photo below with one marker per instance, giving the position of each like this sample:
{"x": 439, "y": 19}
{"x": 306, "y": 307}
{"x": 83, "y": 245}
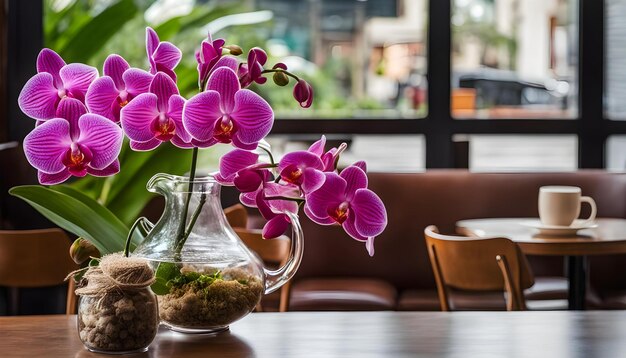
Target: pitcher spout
{"x": 161, "y": 183}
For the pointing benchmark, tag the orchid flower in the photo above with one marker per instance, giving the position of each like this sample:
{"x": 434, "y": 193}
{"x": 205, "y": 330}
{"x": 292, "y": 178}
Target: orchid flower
{"x": 274, "y": 211}
{"x": 108, "y": 94}
{"x": 54, "y": 81}
{"x": 330, "y": 157}
{"x": 163, "y": 56}
{"x": 58, "y": 150}
{"x": 345, "y": 199}
{"x": 240, "y": 168}
{"x": 210, "y": 52}
{"x": 232, "y": 163}
{"x": 155, "y": 117}
{"x": 253, "y": 70}
{"x": 226, "y": 113}
{"x": 302, "y": 168}
{"x": 71, "y": 110}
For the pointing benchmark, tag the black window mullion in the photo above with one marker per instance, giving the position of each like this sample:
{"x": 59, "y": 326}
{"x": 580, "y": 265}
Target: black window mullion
{"x": 592, "y": 129}
{"x": 439, "y": 148}
{"x": 24, "y": 40}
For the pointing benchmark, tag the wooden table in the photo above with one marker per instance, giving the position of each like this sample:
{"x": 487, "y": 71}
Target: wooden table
{"x": 608, "y": 238}
{"x": 595, "y": 334}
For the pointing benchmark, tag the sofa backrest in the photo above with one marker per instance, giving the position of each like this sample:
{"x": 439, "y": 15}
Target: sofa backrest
{"x": 442, "y": 197}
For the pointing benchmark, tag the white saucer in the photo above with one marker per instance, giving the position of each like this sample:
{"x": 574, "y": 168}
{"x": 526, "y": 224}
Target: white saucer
{"x": 556, "y": 230}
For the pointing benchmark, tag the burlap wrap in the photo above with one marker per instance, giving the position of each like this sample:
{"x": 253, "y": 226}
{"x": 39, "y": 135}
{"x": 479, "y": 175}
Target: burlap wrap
{"x": 116, "y": 273}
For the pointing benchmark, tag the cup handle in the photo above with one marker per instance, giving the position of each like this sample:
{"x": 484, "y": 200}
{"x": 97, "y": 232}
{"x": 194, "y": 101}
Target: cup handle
{"x": 592, "y": 203}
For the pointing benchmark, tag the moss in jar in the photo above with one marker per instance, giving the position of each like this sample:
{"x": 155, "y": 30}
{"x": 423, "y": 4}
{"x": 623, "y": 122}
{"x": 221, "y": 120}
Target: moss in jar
{"x": 118, "y": 321}
{"x": 209, "y": 299}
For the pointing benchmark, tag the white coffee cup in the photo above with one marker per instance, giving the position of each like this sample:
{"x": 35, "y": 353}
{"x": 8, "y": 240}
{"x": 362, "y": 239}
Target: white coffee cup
{"x": 560, "y": 205}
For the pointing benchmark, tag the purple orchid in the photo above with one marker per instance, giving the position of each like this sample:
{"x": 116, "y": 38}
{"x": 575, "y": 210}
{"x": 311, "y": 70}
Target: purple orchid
{"x": 108, "y": 94}
{"x": 303, "y": 93}
{"x": 155, "y": 117}
{"x": 240, "y": 168}
{"x": 234, "y": 162}
{"x": 253, "y": 70}
{"x": 330, "y": 157}
{"x": 274, "y": 210}
{"x": 303, "y": 169}
{"x": 226, "y": 113}
{"x": 77, "y": 133}
{"x": 210, "y": 52}
{"x": 71, "y": 110}
{"x": 54, "y": 81}
{"x": 345, "y": 199}
{"x": 58, "y": 149}
{"x": 162, "y": 55}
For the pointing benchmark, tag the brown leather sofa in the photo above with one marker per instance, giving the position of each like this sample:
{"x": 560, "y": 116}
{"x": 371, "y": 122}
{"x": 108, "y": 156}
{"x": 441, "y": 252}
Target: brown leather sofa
{"x": 337, "y": 273}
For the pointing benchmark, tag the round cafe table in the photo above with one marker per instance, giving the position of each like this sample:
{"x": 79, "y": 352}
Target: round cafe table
{"x": 608, "y": 238}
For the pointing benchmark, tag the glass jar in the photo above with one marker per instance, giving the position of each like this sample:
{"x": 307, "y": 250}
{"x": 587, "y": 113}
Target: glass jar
{"x": 206, "y": 277}
{"x": 118, "y": 321}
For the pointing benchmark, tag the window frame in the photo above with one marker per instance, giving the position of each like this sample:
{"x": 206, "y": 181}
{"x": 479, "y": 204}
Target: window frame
{"x": 25, "y": 37}
{"x": 438, "y": 126}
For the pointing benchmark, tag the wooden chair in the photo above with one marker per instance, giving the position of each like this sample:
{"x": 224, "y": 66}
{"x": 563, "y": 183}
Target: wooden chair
{"x": 274, "y": 253}
{"x": 237, "y": 215}
{"x": 478, "y": 265}
{"x": 36, "y": 258}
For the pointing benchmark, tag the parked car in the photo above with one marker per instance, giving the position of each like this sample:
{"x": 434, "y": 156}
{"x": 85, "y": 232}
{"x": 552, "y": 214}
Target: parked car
{"x": 505, "y": 88}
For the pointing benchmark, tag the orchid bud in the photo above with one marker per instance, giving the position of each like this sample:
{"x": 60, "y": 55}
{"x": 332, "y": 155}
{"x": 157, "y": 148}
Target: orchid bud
{"x": 280, "y": 65}
{"x": 81, "y": 250}
{"x": 234, "y": 50}
{"x": 280, "y": 78}
{"x": 303, "y": 93}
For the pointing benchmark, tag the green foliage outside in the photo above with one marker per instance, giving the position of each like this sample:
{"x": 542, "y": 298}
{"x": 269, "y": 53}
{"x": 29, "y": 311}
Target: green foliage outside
{"x": 88, "y": 30}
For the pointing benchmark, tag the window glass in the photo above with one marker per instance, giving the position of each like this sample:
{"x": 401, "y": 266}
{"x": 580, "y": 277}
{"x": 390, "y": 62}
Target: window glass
{"x": 615, "y": 60}
{"x": 616, "y": 153}
{"x": 514, "y": 58}
{"x": 383, "y": 153}
{"x": 365, "y": 59}
{"x": 523, "y": 153}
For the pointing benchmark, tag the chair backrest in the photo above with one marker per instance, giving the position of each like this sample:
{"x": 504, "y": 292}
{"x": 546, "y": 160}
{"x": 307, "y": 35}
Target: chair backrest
{"x": 237, "y": 215}
{"x": 36, "y": 258}
{"x": 478, "y": 264}
{"x": 274, "y": 252}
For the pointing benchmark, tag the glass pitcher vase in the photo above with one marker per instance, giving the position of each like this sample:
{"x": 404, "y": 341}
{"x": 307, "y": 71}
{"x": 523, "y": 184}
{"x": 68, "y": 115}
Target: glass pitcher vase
{"x": 206, "y": 276}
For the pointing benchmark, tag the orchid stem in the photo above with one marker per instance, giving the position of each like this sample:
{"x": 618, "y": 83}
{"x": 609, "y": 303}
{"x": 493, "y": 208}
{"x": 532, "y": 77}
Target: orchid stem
{"x": 106, "y": 189}
{"x": 192, "y": 176}
{"x": 269, "y": 153}
{"x": 283, "y": 71}
{"x": 298, "y": 200}
{"x": 129, "y": 238}
{"x": 194, "y": 217}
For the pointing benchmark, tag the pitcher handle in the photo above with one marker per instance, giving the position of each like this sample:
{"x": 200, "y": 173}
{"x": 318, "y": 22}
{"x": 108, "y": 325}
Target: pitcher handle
{"x": 274, "y": 279}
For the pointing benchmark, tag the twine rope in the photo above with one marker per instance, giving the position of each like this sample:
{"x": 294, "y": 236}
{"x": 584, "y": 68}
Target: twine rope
{"x": 116, "y": 273}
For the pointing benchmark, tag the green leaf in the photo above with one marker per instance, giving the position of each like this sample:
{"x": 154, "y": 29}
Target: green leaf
{"x": 95, "y": 33}
{"x": 88, "y": 185}
{"x": 199, "y": 16}
{"x": 166, "y": 272}
{"x": 102, "y": 211}
{"x": 75, "y": 216}
{"x": 128, "y": 195}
